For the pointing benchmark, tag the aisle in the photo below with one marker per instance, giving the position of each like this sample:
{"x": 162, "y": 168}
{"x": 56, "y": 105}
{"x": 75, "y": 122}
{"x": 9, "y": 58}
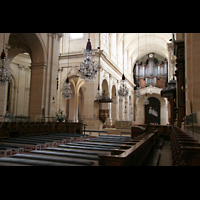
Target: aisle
{"x": 165, "y": 155}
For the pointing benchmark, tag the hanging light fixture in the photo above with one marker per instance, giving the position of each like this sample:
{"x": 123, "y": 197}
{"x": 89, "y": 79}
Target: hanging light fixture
{"x": 67, "y": 92}
{"x": 87, "y": 68}
{"x": 5, "y": 74}
{"x": 123, "y": 90}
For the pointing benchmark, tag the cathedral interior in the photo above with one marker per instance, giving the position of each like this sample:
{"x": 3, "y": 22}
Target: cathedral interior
{"x": 107, "y": 82}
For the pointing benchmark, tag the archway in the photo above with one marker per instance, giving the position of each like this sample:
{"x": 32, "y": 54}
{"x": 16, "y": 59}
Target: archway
{"x": 152, "y": 111}
{"x": 32, "y": 43}
{"x": 19, "y": 86}
{"x": 74, "y": 107}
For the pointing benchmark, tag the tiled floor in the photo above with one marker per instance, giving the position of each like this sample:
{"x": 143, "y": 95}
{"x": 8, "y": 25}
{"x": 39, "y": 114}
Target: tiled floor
{"x": 165, "y": 155}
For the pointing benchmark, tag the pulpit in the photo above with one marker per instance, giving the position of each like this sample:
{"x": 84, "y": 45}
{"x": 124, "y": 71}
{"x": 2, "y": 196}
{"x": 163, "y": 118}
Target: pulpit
{"x": 103, "y": 114}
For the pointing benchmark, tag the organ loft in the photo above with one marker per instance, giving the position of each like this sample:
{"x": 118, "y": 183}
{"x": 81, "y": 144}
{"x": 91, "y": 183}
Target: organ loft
{"x": 99, "y": 99}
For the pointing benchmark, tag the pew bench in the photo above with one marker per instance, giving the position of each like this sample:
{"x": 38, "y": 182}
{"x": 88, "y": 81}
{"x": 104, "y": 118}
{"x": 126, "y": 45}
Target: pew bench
{"x": 15, "y": 148}
{"x": 4, "y": 161}
{"x": 185, "y": 150}
{"x": 55, "y": 159}
{"x": 59, "y": 140}
{"x": 125, "y": 133}
{"x": 5, "y": 151}
{"x": 84, "y": 147}
{"x": 74, "y": 150}
{"x": 75, "y": 158}
{"x": 97, "y": 131}
{"x": 27, "y": 145}
{"x": 89, "y": 152}
{"x": 44, "y": 142}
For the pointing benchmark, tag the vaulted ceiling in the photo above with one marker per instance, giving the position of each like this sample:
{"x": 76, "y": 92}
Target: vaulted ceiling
{"x": 147, "y": 43}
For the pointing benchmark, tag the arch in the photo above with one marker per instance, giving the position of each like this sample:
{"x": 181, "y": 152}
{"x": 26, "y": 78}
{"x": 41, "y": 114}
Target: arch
{"x": 33, "y": 44}
{"x": 74, "y": 106}
{"x": 105, "y": 86}
{"x": 27, "y": 42}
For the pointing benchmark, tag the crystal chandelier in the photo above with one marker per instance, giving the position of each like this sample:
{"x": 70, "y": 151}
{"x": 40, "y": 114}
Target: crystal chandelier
{"x": 67, "y": 92}
{"x": 5, "y": 74}
{"x": 87, "y": 68}
{"x": 123, "y": 90}
{"x": 146, "y": 101}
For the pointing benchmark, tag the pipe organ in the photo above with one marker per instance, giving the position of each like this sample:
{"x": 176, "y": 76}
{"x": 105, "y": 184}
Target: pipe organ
{"x": 152, "y": 72}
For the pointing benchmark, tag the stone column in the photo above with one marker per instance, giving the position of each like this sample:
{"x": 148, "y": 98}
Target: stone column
{"x": 37, "y": 90}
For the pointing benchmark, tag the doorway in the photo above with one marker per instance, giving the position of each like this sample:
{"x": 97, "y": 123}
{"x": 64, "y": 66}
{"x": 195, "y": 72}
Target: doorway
{"x": 152, "y": 111}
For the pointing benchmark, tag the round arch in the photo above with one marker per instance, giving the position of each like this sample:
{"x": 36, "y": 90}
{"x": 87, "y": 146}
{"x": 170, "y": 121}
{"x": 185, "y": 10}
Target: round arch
{"x": 31, "y": 43}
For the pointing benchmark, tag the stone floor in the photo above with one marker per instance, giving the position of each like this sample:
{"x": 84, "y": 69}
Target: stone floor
{"x": 165, "y": 155}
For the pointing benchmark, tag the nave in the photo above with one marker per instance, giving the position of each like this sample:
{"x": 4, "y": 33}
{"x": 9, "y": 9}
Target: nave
{"x": 56, "y": 144}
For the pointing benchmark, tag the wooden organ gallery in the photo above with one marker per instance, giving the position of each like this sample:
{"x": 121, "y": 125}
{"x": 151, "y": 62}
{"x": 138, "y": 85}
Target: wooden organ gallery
{"x": 61, "y": 105}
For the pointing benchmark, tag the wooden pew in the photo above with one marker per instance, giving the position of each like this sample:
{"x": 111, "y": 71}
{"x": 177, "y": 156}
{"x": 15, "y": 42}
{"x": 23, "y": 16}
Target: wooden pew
{"x": 185, "y": 150}
{"x": 96, "y": 131}
{"x": 137, "y": 130}
{"x": 5, "y": 151}
{"x": 56, "y": 159}
{"x": 133, "y": 156}
{"x": 26, "y": 144}
{"x": 15, "y": 148}
{"x": 75, "y": 158}
{"x": 29, "y": 162}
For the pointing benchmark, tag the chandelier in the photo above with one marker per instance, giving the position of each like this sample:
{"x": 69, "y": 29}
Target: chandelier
{"x": 5, "y": 74}
{"x": 87, "y": 68}
{"x": 67, "y": 92}
{"x": 123, "y": 90}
